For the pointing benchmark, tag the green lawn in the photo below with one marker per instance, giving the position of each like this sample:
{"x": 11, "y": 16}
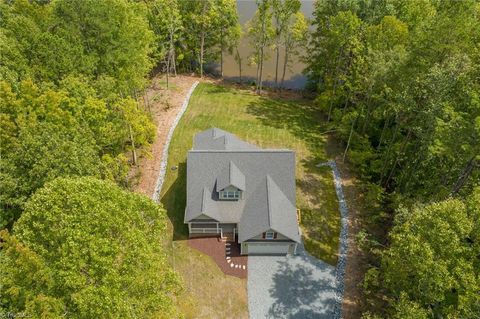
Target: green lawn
{"x": 266, "y": 122}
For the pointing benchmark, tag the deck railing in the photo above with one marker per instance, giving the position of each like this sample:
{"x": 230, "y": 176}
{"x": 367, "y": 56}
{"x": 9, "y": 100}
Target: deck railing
{"x": 206, "y": 231}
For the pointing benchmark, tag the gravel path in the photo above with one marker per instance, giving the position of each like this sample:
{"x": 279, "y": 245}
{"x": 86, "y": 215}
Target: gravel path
{"x": 342, "y": 254}
{"x": 300, "y": 286}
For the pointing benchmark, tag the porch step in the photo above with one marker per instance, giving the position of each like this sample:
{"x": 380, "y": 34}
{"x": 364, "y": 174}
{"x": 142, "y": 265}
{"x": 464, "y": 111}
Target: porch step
{"x": 228, "y": 237}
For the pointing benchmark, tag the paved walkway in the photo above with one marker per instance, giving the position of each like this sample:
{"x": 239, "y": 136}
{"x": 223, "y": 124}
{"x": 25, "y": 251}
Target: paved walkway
{"x": 291, "y": 287}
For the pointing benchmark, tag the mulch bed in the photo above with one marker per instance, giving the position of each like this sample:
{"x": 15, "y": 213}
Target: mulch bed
{"x": 216, "y": 249}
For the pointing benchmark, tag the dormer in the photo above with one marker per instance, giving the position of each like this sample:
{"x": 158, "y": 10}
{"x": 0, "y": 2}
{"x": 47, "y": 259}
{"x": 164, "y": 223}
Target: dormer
{"x": 230, "y": 183}
{"x": 230, "y": 193}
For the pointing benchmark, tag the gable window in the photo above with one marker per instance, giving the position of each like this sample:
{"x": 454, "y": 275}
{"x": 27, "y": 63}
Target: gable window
{"x": 269, "y": 235}
{"x": 230, "y": 194}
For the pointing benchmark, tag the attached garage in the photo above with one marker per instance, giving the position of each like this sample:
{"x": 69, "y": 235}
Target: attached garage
{"x": 262, "y": 248}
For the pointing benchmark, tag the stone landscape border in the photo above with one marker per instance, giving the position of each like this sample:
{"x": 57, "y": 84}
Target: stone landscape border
{"x": 342, "y": 254}
{"x": 163, "y": 164}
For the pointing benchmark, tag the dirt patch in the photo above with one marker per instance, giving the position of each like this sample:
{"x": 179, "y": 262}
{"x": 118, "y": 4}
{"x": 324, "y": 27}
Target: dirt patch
{"x": 224, "y": 254}
{"x": 163, "y": 105}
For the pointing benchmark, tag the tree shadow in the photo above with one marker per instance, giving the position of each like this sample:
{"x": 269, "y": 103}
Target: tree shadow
{"x": 299, "y": 116}
{"x": 296, "y": 292}
{"x": 307, "y": 123}
{"x": 174, "y": 201}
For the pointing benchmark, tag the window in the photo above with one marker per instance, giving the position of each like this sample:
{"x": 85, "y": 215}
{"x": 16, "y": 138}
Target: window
{"x": 269, "y": 235}
{"x": 230, "y": 194}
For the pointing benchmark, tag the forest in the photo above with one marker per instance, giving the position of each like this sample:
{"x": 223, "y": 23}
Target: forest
{"x": 397, "y": 83}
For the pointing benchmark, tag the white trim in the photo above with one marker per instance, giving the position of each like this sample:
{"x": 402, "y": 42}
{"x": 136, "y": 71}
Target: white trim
{"x": 272, "y": 233}
{"x": 226, "y": 194}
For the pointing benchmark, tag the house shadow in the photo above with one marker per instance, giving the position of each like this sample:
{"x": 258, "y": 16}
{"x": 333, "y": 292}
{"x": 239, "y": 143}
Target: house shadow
{"x": 174, "y": 199}
{"x": 298, "y": 293}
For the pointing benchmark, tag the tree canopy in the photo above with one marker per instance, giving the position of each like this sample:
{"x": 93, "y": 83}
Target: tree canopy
{"x": 432, "y": 262}
{"x": 68, "y": 85}
{"x": 84, "y": 248}
{"x": 398, "y": 82}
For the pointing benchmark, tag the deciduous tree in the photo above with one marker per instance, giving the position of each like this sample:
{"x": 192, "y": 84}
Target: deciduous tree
{"x": 86, "y": 249}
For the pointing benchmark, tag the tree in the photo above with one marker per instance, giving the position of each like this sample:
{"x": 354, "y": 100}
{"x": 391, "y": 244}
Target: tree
{"x": 52, "y": 133}
{"x": 261, "y": 32}
{"x": 398, "y": 81}
{"x": 283, "y": 10}
{"x": 229, "y": 28}
{"x": 238, "y": 58}
{"x": 141, "y": 130}
{"x": 45, "y": 151}
{"x": 85, "y": 248}
{"x": 337, "y": 48}
{"x": 432, "y": 261}
{"x": 166, "y": 21}
{"x": 406, "y": 309}
{"x": 295, "y": 38}
{"x": 122, "y": 53}
{"x": 202, "y": 27}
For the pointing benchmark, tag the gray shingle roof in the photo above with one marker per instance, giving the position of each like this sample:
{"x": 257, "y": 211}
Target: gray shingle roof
{"x": 266, "y": 175}
{"x": 268, "y": 208}
{"x": 217, "y": 139}
{"x": 231, "y": 176}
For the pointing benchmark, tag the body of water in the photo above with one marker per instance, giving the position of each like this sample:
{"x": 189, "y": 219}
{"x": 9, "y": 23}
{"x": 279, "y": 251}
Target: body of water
{"x": 294, "y": 79}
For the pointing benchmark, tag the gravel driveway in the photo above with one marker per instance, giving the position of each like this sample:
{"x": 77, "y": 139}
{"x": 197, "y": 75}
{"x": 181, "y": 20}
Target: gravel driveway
{"x": 297, "y": 287}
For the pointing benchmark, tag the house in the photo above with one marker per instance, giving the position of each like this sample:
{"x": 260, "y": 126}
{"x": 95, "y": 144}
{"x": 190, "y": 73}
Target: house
{"x": 239, "y": 191}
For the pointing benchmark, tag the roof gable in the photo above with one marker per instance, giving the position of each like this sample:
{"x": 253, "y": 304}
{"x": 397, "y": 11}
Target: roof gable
{"x": 231, "y": 176}
{"x": 278, "y": 214}
{"x": 217, "y": 139}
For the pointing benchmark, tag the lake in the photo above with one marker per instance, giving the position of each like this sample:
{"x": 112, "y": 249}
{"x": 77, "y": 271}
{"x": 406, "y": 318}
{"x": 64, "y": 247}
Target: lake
{"x": 294, "y": 79}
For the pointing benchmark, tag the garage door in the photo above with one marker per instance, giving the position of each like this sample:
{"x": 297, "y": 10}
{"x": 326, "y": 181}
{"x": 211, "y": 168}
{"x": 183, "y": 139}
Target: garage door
{"x": 267, "y": 249}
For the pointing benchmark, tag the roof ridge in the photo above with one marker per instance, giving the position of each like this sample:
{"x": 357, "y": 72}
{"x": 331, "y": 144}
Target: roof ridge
{"x": 205, "y": 192}
{"x": 215, "y": 131}
{"x": 269, "y": 204}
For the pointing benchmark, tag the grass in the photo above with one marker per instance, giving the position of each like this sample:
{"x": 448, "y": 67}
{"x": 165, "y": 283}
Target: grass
{"x": 266, "y": 122}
